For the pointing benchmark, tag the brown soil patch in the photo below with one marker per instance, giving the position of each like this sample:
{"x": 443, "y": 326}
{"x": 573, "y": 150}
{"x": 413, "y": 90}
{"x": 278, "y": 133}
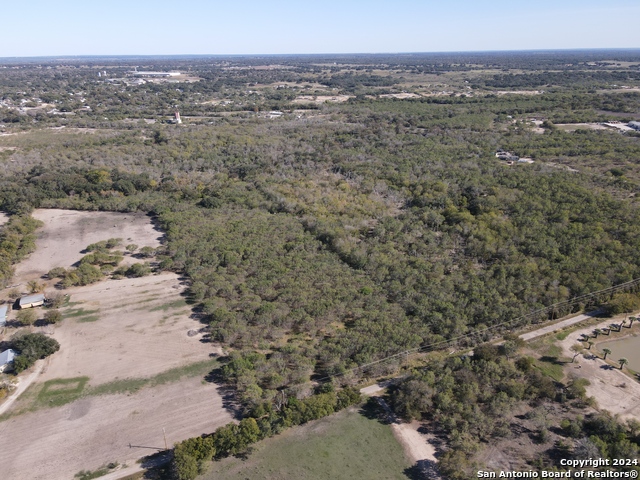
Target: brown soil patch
{"x": 111, "y": 330}
{"x": 572, "y": 127}
{"x": 518, "y": 92}
{"x": 67, "y": 232}
{"x": 4, "y": 218}
{"x": 322, "y": 99}
{"x": 400, "y": 95}
{"x": 86, "y": 434}
{"x": 140, "y": 329}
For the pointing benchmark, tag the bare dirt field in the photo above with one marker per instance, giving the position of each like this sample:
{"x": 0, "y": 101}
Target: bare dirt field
{"x": 612, "y": 389}
{"x": 114, "y": 333}
{"x": 67, "y": 232}
{"x": 88, "y": 433}
{"x": 572, "y": 127}
{"x": 126, "y": 328}
{"x": 400, "y": 95}
{"x": 518, "y": 92}
{"x": 321, "y": 98}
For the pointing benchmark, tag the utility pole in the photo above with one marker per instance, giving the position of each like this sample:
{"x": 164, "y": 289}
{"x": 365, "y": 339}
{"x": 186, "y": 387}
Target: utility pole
{"x": 164, "y": 433}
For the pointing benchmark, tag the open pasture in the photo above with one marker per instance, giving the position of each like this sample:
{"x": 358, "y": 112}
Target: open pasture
{"x": 66, "y": 233}
{"x": 132, "y": 361}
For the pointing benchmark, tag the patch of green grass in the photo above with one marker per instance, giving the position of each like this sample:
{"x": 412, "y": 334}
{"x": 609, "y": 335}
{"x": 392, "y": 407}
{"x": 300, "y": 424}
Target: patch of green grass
{"x": 88, "y": 475}
{"x": 152, "y": 298}
{"x": 26, "y": 402}
{"x": 131, "y": 385}
{"x": 551, "y": 367}
{"x": 61, "y": 390}
{"x": 551, "y": 361}
{"x": 562, "y": 335}
{"x": 171, "y": 305}
{"x": 79, "y": 312}
{"x": 342, "y": 446}
{"x": 101, "y": 472}
{"x": 125, "y": 385}
{"x": 553, "y": 351}
{"x": 87, "y": 319}
{"x": 57, "y": 392}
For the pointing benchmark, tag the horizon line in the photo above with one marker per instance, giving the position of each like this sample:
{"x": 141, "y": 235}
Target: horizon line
{"x": 327, "y": 54}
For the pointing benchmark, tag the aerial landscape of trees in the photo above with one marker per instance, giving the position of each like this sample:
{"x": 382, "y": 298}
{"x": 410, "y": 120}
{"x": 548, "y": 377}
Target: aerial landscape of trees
{"x": 338, "y": 233}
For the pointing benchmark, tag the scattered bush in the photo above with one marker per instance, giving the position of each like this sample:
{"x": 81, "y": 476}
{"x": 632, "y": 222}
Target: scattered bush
{"x": 147, "y": 252}
{"x": 138, "y": 270}
{"x": 57, "y": 272}
{"x": 53, "y": 316}
{"x": 26, "y": 316}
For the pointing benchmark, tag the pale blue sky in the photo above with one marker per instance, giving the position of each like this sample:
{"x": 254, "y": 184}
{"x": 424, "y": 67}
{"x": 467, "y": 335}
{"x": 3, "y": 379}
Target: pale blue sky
{"x": 146, "y": 27}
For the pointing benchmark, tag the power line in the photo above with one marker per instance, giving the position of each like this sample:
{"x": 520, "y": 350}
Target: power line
{"x": 441, "y": 343}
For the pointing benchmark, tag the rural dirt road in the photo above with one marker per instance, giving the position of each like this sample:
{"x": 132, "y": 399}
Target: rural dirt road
{"x": 416, "y": 445}
{"x": 23, "y": 384}
{"x": 559, "y": 325}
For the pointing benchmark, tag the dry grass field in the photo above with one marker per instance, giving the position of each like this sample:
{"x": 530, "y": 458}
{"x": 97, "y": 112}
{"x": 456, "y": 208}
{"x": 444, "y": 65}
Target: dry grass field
{"x": 67, "y": 232}
{"x": 321, "y": 99}
{"x": 126, "y": 328}
{"x": 126, "y": 366}
{"x": 56, "y": 443}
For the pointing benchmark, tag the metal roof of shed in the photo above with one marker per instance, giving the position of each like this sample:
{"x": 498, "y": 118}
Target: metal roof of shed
{"x": 7, "y": 357}
{"x": 39, "y": 297}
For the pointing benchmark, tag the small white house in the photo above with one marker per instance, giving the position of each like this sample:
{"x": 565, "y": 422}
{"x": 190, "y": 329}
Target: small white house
{"x": 6, "y": 358}
{"x": 30, "y": 301}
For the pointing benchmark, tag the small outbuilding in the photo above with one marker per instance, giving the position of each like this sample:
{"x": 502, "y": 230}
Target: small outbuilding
{"x": 4, "y": 309}
{"x": 6, "y": 359}
{"x": 30, "y": 301}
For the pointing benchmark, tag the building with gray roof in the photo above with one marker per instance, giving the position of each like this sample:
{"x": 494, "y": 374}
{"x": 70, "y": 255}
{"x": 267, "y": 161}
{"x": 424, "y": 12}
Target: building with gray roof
{"x": 29, "y": 301}
{"x": 6, "y": 358}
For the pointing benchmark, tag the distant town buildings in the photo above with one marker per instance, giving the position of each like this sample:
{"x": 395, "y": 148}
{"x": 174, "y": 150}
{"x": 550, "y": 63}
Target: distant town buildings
{"x": 508, "y": 156}
{"x": 136, "y": 73}
{"x": 511, "y": 158}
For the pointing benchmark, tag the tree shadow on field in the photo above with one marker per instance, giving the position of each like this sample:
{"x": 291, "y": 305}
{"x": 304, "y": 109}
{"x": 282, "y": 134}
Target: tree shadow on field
{"x": 373, "y": 411}
{"x": 552, "y": 360}
{"x": 422, "y": 470}
{"x": 158, "y": 466}
{"x": 227, "y": 392}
